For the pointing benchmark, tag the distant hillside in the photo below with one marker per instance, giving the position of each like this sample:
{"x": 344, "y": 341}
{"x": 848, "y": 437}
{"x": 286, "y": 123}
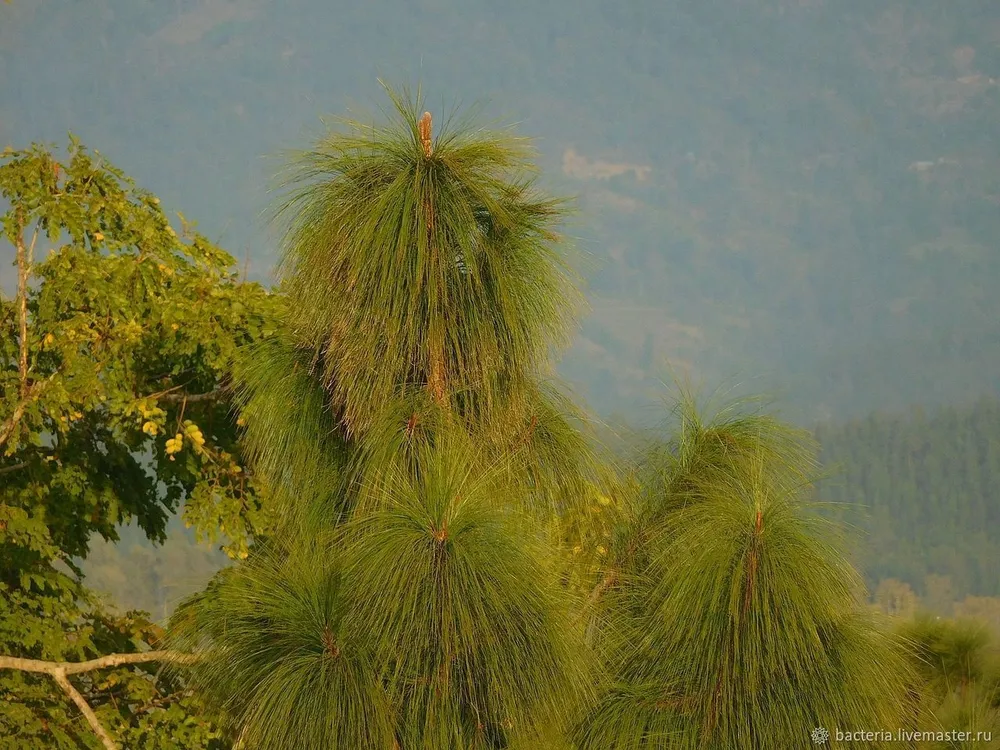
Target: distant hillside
{"x": 805, "y": 192}
{"x": 926, "y": 491}
{"x": 921, "y": 489}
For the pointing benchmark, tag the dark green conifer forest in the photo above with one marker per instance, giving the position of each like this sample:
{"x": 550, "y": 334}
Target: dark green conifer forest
{"x": 923, "y": 486}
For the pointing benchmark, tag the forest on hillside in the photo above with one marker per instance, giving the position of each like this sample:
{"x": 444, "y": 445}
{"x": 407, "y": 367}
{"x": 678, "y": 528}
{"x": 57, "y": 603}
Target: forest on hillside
{"x": 922, "y": 486}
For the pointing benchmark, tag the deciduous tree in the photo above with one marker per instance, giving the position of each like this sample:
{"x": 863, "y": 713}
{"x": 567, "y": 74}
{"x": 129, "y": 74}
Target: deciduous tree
{"x": 115, "y": 348}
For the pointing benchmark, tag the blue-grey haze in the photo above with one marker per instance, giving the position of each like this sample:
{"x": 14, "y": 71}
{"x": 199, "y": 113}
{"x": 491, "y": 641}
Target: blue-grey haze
{"x": 802, "y": 196}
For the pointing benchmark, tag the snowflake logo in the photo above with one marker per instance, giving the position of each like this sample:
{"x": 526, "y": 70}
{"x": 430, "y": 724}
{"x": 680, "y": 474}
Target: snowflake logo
{"x": 819, "y": 735}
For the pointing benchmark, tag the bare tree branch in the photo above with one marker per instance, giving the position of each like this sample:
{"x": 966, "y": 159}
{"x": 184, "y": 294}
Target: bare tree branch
{"x": 33, "y": 391}
{"x": 88, "y": 713}
{"x": 24, "y": 258}
{"x": 191, "y": 398}
{"x": 60, "y": 671}
{"x": 111, "y": 660}
{"x": 11, "y": 424}
{"x": 14, "y": 467}
{"x": 164, "y": 700}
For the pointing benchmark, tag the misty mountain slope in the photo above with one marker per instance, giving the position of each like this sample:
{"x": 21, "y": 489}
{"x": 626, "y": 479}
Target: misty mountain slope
{"x": 805, "y": 195}
{"x": 922, "y": 487}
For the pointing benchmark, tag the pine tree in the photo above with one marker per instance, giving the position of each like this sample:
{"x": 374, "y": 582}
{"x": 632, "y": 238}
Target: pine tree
{"x": 459, "y": 568}
{"x": 731, "y": 619}
{"x": 407, "y": 423}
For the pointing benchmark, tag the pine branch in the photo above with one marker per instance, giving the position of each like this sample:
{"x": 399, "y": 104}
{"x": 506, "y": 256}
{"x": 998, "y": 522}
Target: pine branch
{"x": 609, "y": 580}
